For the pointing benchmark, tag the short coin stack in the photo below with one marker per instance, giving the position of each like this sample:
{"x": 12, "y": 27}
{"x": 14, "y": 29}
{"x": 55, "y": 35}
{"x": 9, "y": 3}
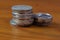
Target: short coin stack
{"x": 42, "y": 18}
{"x": 22, "y": 15}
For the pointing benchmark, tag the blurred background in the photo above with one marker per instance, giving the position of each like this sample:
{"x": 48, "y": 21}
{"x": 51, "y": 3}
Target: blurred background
{"x": 38, "y": 5}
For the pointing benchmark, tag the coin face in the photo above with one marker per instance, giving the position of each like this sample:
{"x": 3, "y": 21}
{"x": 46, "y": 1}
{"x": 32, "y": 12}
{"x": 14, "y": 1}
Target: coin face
{"x": 21, "y": 7}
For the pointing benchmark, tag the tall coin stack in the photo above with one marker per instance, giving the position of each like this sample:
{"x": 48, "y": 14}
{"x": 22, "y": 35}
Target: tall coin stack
{"x": 22, "y": 15}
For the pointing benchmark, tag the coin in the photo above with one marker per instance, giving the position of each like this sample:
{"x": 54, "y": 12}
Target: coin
{"x": 43, "y": 18}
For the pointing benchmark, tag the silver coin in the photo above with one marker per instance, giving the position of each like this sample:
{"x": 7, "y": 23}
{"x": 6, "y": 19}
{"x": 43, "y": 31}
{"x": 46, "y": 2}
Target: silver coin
{"x": 22, "y": 16}
{"x": 23, "y": 22}
{"x": 43, "y": 18}
{"x": 22, "y": 9}
{"x": 22, "y": 12}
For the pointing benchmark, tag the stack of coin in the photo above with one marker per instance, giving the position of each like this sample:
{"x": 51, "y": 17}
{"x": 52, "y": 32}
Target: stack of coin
{"x": 42, "y": 18}
{"x": 22, "y": 15}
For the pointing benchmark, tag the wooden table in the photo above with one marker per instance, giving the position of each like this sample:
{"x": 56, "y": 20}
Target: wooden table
{"x": 9, "y": 32}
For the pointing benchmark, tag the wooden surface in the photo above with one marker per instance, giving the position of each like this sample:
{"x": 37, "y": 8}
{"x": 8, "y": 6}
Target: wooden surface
{"x": 51, "y": 32}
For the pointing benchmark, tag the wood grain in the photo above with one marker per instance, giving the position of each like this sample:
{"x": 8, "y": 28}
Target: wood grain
{"x": 9, "y": 32}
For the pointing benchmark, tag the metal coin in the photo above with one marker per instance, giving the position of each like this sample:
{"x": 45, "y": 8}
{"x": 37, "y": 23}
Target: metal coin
{"x": 22, "y": 9}
{"x": 22, "y": 16}
{"x": 43, "y": 18}
{"x": 23, "y": 22}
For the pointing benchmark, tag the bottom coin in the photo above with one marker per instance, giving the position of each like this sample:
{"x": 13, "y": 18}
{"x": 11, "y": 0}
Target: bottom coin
{"x": 13, "y": 22}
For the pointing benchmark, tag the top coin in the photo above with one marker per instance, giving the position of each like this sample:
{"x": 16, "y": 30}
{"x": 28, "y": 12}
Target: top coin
{"x": 21, "y": 7}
